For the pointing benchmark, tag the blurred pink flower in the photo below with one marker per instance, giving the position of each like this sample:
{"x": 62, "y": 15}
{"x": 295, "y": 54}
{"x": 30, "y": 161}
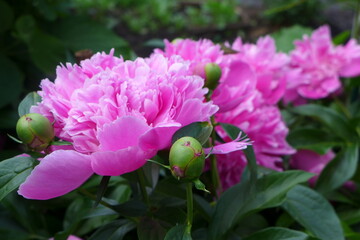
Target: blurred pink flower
{"x": 237, "y": 81}
{"x": 266, "y": 130}
{"x": 117, "y": 114}
{"x": 311, "y": 161}
{"x": 71, "y": 237}
{"x": 319, "y": 65}
{"x": 267, "y": 64}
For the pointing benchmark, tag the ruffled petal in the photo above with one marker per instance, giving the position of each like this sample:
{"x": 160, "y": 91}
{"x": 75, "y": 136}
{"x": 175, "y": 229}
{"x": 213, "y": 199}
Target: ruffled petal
{"x": 57, "y": 174}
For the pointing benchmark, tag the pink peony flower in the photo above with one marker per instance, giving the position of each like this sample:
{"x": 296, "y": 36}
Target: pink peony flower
{"x": 264, "y": 126}
{"x": 117, "y": 114}
{"x": 267, "y": 65}
{"x": 318, "y": 65}
{"x": 311, "y": 161}
{"x": 237, "y": 81}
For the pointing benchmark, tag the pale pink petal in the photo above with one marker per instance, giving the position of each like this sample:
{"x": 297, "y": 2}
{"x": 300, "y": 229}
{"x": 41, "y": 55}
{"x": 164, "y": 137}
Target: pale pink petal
{"x": 57, "y": 174}
{"x": 235, "y": 145}
{"x": 119, "y": 162}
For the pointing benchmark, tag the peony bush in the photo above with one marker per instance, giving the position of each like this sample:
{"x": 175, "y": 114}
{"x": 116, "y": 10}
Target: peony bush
{"x": 199, "y": 140}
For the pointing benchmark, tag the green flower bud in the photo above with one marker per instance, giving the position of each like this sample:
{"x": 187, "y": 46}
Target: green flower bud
{"x": 35, "y": 131}
{"x": 186, "y": 159}
{"x": 212, "y": 75}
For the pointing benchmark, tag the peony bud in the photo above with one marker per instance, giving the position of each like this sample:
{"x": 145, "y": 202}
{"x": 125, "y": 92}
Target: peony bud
{"x": 212, "y": 75}
{"x": 186, "y": 159}
{"x": 35, "y": 131}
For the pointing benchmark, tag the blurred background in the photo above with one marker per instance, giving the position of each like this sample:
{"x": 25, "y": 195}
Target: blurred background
{"x": 38, "y": 35}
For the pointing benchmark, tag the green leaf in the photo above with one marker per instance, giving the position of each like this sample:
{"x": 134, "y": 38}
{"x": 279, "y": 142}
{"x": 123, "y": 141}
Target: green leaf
{"x": 336, "y": 122}
{"x": 233, "y": 132}
{"x": 132, "y": 208}
{"x": 277, "y": 233}
{"x": 178, "y": 233}
{"x": 150, "y": 229}
{"x": 154, "y": 43}
{"x": 199, "y": 130}
{"x": 339, "y": 170}
{"x": 6, "y": 16}
{"x": 114, "y": 231}
{"x": 250, "y": 224}
{"x": 350, "y": 216}
{"x": 46, "y": 51}
{"x": 314, "y": 212}
{"x": 102, "y": 188}
{"x": 237, "y": 202}
{"x": 79, "y": 33}
{"x": 342, "y": 37}
{"x": 313, "y": 139}
{"x": 285, "y": 37}
{"x": 74, "y": 214}
{"x": 11, "y": 79}
{"x": 13, "y": 172}
{"x": 31, "y": 99}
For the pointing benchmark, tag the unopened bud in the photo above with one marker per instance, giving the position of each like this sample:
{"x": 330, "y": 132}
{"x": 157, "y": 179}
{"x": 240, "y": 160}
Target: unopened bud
{"x": 35, "y": 131}
{"x": 212, "y": 75}
{"x": 186, "y": 159}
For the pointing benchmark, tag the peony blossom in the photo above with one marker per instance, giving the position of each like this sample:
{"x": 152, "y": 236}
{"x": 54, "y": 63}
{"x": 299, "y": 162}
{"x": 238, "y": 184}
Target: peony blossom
{"x": 318, "y": 65}
{"x": 311, "y": 161}
{"x": 266, "y": 130}
{"x": 237, "y": 81}
{"x": 268, "y": 65}
{"x": 117, "y": 114}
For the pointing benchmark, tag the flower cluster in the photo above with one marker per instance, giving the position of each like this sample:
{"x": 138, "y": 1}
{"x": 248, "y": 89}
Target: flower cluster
{"x": 317, "y": 65}
{"x": 117, "y": 114}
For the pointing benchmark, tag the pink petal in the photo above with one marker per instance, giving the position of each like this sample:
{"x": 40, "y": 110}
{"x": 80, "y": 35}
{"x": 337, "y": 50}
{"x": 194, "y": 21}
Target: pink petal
{"x": 57, "y": 174}
{"x": 158, "y": 137}
{"x": 120, "y": 162}
{"x": 352, "y": 69}
{"x": 122, "y": 133}
{"x": 229, "y": 147}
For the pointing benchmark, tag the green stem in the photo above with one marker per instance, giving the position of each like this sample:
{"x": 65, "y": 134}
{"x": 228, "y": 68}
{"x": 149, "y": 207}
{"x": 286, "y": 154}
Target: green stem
{"x": 94, "y": 197}
{"x": 215, "y": 177}
{"x": 190, "y": 207}
{"x": 142, "y": 185}
{"x": 355, "y": 29}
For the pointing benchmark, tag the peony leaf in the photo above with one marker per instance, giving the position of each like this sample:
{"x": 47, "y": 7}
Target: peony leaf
{"x": 114, "y": 231}
{"x": 234, "y": 204}
{"x": 13, "y": 172}
{"x": 336, "y": 122}
{"x": 277, "y": 233}
{"x": 199, "y": 130}
{"x": 314, "y": 212}
{"x": 339, "y": 170}
{"x": 31, "y": 99}
{"x": 313, "y": 139}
